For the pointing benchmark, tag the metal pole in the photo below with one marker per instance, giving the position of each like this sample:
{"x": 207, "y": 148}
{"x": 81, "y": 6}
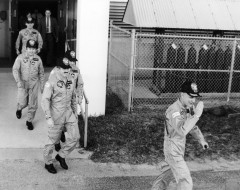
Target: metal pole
{"x": 109, "y": 51}
{"x": 131, "y": 70}
{"x": 231, "y": 69}
{"x": 86, "y": 119}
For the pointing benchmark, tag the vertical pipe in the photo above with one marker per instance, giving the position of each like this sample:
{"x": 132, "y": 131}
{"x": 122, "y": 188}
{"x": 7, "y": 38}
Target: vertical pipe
{"x": 109, "y": 52}
{"x": 131, "y": 69}
{"x": 85, "y": 120}
{"x": 231, "y": 69}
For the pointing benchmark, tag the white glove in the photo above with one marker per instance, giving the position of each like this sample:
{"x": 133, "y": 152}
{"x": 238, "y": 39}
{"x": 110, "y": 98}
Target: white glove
{"x": 199, "y": 109}
{"x": 50, "y": 122}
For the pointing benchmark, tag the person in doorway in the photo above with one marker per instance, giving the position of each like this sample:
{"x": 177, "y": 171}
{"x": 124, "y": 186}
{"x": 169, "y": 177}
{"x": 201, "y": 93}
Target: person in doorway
{"x": 26, "y": 34}
{"x": 24, "y": 18}
{"x": 181, "y": 119}
{"x": 60, "y": 108}
{"x": 37, "y": 16}
{"x": 78, "y": 84}
{"x": 48, "y": 27}
{"x": 27, "y": 70}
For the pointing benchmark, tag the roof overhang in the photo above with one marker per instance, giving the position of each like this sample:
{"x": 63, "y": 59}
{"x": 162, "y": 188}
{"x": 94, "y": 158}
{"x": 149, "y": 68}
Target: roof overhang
{"x": 184, "y": 14}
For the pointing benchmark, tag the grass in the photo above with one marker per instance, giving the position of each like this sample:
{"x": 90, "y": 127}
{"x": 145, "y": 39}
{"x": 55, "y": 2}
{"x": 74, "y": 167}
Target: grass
{"x": 137, "y": 137}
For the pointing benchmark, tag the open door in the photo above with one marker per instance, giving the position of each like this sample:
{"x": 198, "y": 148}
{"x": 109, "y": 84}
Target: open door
{"x": 13, "y": 28}
{"x": 67, "y": 18}
{"x": 72, "y": 23}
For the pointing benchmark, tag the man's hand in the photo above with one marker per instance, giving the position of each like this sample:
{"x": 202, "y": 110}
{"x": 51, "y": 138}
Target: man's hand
{"x": 199, "y": 109}
{"x": 76, "y": 115}
{"x": 50, "y": 122}
{"x": 20, "y": 84}
{"x": 205, "y": 145}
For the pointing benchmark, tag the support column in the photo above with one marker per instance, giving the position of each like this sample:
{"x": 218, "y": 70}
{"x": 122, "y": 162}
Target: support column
{"x": 92, "y": 50}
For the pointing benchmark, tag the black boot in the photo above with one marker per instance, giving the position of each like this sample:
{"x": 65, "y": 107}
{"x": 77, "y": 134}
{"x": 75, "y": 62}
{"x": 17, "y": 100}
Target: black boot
{"x": 50, "y": 168}
{"x": 57, "y": 147}
{"x": 29, "y": 125}
{"x": 19, "y": 114}
{"x": 61, "y": 161}
{"x": 63, "y": 139}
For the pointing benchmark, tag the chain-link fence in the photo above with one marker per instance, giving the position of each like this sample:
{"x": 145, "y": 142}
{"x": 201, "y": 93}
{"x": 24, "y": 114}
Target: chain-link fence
{"x": 151, "y": 68}
{"x": 119, "y": 59}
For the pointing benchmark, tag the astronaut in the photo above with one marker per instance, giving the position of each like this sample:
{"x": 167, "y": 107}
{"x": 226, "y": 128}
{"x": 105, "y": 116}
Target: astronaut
{"x": 27, "y": 70}
{"x": 76, "y": 74}
{"x": 181, "y": 119}
{"x": 26, "y": 34}
{"x": 78, "y": 83}
{"x": 60, "y": 108}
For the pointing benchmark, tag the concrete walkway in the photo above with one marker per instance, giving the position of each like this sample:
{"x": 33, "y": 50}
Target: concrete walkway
{"x": 14, "y": 133}
{"x": 22, "y": 166}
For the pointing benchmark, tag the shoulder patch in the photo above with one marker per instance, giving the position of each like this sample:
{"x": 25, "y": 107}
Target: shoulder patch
{"x": 35, "y": 59}
{"x": 175, "y": 114}
{"x": 47, "y": 85}
{"x": 52, "y": 72}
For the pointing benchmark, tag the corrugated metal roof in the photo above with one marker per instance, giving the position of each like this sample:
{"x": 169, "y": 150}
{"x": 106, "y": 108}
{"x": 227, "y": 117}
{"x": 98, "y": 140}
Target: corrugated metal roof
{"x": 184, "y": 14}
{"x": 116, "y": 12}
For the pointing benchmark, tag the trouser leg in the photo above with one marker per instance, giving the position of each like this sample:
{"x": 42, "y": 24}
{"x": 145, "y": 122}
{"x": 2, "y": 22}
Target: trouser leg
{"x": 72, "y": 137}
{"x": 33, "y": 102}
{"x": 181, "y": 173}
{"x": 50, "y": 50}
{"x": 54, "y": 134}
{"x": 163, "y": 180}
{"x": 22, "y": 98}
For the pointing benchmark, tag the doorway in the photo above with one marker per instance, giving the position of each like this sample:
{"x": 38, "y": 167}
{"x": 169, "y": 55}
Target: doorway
{"x": 19, "y": 9}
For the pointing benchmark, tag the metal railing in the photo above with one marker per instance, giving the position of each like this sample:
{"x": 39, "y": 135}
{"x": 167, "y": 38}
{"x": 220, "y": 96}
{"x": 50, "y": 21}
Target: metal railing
{"x": 85, "y": 118}
{"x": 67, "y": 43}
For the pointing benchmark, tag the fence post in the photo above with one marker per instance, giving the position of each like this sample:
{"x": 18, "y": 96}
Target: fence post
{"x": 109, "y": 49}
{"x": 131, "y": 69}
{"x": 231, "y": 69}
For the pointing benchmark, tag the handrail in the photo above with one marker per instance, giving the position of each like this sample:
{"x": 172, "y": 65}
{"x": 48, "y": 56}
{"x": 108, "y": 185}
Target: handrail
{"x": 85, "y": 117}
{"x": 67, "y": 45}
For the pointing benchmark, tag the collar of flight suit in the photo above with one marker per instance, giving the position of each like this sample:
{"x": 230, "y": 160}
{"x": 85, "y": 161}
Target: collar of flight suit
{"x": 181, "y": 107}
{"x": 60, "y": 76}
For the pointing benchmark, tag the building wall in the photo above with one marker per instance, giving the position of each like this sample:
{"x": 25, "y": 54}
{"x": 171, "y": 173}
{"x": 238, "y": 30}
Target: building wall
{"x": 4, "y": 31}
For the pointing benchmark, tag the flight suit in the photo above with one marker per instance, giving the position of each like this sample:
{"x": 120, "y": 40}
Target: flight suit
{"x": 170, "y": 75}
{"x": 203, "y": 64}
{"x": 27, "y": 72}
{"x": 26, "y": 34}
{"x": 59, "y": 103}
{"x": 78, "y": 82}
{"x": 180, "y": 63}
{"x": 191, "y": 63}
{"x": 178, "y": 124}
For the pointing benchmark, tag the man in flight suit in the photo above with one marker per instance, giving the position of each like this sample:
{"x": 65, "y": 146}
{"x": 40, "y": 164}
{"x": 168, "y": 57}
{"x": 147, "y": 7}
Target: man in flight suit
{"x": 27, "y": 70}
{"x": 27, "y": 34}
{"x": 78, "y": 83}
{"x": 60, "y": 108}
{"x": 181, "y": 119}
